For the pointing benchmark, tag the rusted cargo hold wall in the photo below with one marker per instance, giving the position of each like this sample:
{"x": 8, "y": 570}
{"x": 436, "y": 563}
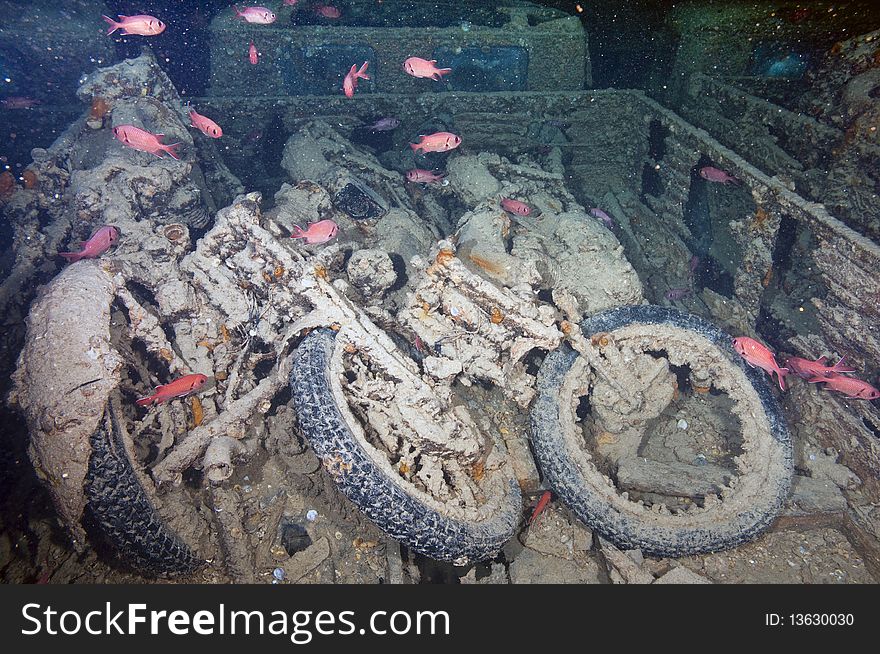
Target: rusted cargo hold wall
{"x": 849, "y": 315}
{"x": 823, "y": 163}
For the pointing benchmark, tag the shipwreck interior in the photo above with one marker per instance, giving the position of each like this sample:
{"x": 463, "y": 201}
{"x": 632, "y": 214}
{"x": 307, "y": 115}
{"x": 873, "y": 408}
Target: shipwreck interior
{"x": 442, "y": 328}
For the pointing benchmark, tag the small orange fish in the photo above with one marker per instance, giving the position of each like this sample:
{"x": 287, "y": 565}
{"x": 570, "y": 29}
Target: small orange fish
{"x": 759, "y": 355}
{"x": 253, "y": 55}
{"x": 180, "y": 387}
{"x": 849, "y": 386}
{"x": 319, "y": 232}
{"x": 418, "y": 67}
{"x": 349, "y": 84}
{"x": 141, "y": 139}
{"x": 141, "y": 25}
{"x": 515, "y": 206}
{"x": 436, "y": 142}
{"x": 204, "y": 124}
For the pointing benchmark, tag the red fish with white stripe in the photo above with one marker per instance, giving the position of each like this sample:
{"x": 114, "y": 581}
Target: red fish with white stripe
{"x": 141, "y": 25}
{"x": 436, "y": 142}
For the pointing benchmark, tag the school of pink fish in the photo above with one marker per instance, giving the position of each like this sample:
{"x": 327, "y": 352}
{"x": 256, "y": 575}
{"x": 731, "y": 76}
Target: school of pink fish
{"x": 834, "y": 377}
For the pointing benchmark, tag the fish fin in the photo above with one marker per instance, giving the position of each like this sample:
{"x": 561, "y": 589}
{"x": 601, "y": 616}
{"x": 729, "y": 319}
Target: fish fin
{"x": 145, "y": 401}
{"x": 822, "y": 361}
{"x": 113, "y": 24}
{"x": 781, "y": 374}
{"x": 436, "y": 77}
{"x": 839, "y": 367}
{"x": 816, "y": 379}
{"x": 300, "y": 232}
{"x": 415, "y": 146}
{"x": 170, "y": 150}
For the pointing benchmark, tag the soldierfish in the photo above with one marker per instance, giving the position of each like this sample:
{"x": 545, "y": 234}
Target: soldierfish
{"x": 418, "y": 67}
{"x": 607, "y": 220}
{"x": 541, "y": 505}
{"x": 850, "y": 386}
{"x": 678, "y": 293}
{"x": 327, "y": 11}
{"x": 349, "y": 84}
{"x": 19, "y": 102}
{"x": 759, "y": 355}
{"x": 436, "y": 142}
{"x": 258, "y": 15}
{"x": 806, "y": 369}
{"x": 384, "y": 124}
{"x": 319, "y": 232}
{"x": 711, "y": 174}
{"x": 98, "y": 244}
{"x": 253, "y": 55}
{"x": 180, "y": 387}
{"x": 141, "y": 139}
{"x": 204, "y": 124}
{"x": 515, "y": 206}
{"x": 422, "y": 176}
{"x": 141, "y": 25}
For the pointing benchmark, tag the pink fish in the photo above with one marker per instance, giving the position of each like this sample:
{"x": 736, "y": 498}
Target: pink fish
{"x": 436, "y": 142}
{"x": 257, "y": 15}
{"x": 204, "y": 124}
{"x": 715, "y": 175}
{"x": 418, "y": 67}
{"x": 319, "y": 232}
{"x": 141, "y": 139}
{"x": 98, "y": 244}
{"x": 759, "y": 355}
{"x": 677, "y": 293}
{"x": 849, "y": 386}
{"x": 349, "y": 84}
{"x": 607, "y": 220}
{"x": 422, "y": 176}
{"x": 141, "y": 25}
{"x": 384, "y": 125}
{"x": 515, "y": 206}
{"x": 253, "y": 55}
{"x": 693, "y": 264}
{"x": 180, "y": 387}
{"x": 289, "y": 3}
{"x": 806, "y": 369}
{"x": 327, "y": 11}
{"x": 19, "y": 102}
